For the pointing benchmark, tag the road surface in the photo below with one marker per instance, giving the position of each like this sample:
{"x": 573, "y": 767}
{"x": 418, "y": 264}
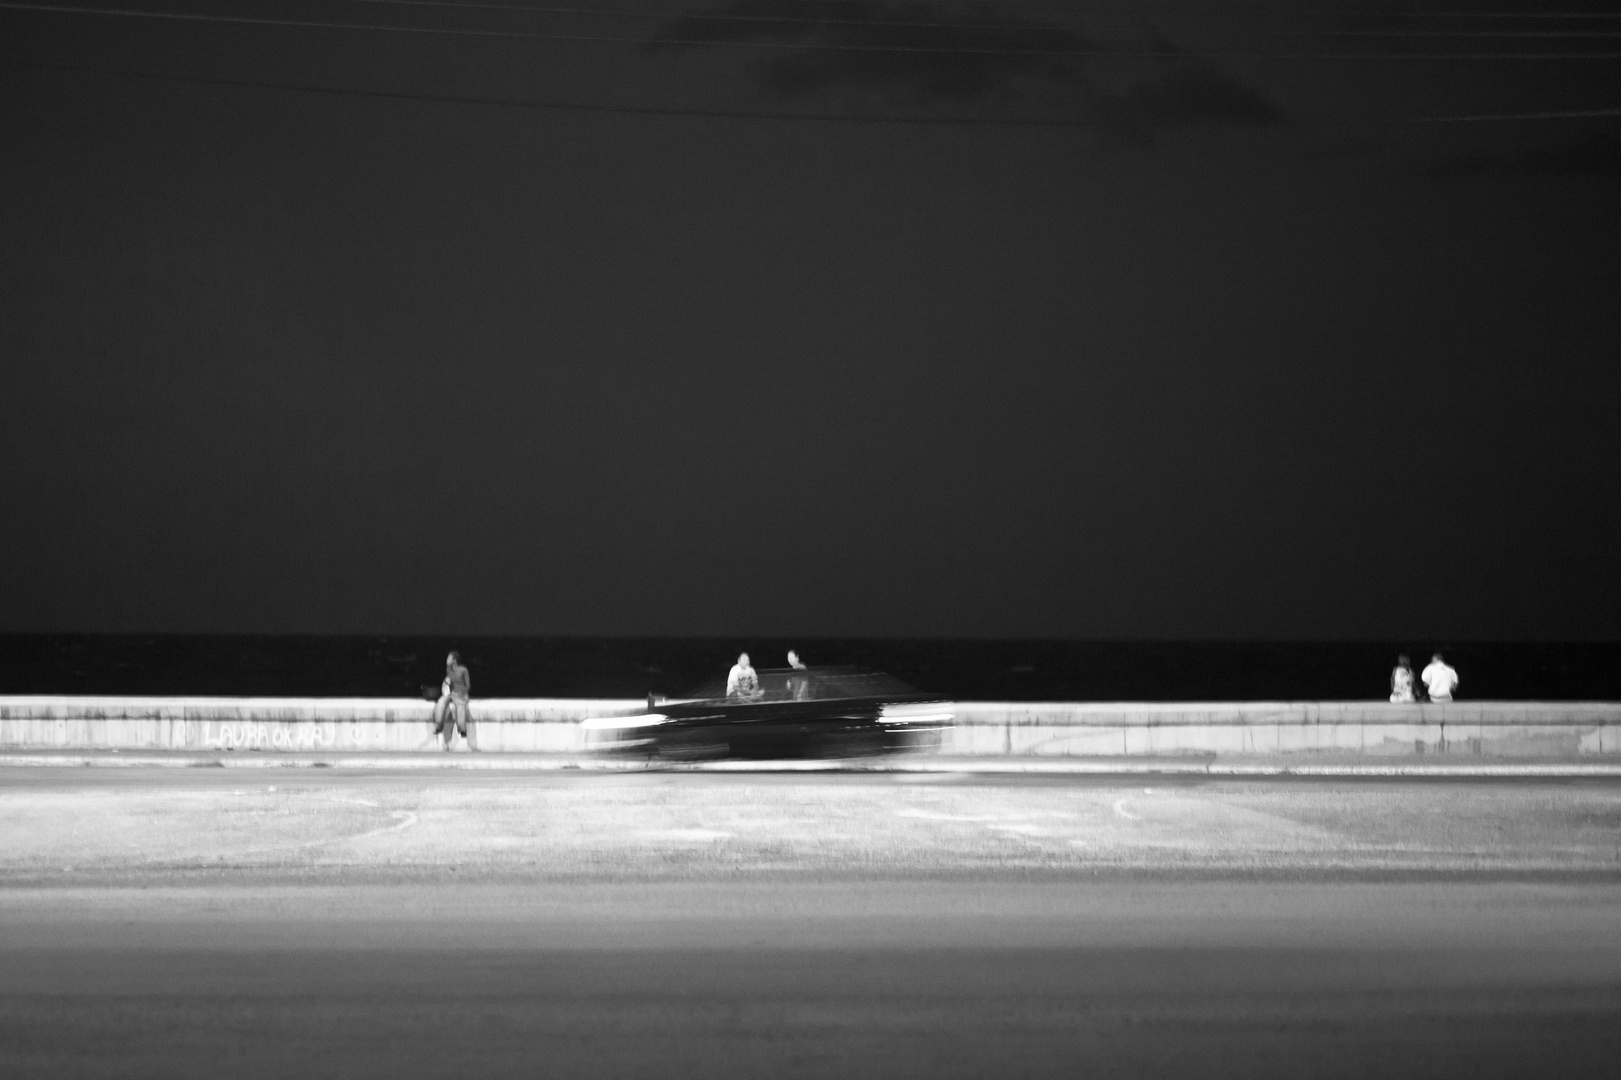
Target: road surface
{"x": 179, "y": 923}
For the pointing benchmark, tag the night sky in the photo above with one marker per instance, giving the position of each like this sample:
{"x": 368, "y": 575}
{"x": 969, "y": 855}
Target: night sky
{"x": 993, "y": 320}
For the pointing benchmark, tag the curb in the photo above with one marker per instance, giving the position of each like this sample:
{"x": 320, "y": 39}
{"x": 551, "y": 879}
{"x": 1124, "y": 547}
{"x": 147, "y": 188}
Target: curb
{"x": 937, "y": 766}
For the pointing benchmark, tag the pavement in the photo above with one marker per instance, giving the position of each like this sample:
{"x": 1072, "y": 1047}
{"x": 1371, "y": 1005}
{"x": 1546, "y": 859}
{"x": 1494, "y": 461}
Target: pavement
{"x": 1326, "y": 765}
{"x": 164, "y": 922}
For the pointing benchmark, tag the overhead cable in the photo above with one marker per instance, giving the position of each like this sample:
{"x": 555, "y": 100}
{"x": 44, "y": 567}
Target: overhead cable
{"x": 743, "y": 114}
{"x": 306, "y": 24}
{"x": 1045, "y": 25}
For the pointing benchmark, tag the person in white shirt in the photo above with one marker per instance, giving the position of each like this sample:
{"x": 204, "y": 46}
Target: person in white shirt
{"x": 741, "y": 682}
{"x": 1440, "y": 679}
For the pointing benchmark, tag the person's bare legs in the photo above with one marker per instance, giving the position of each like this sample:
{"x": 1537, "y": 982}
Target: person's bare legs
{"x": 460, "y": 712}
{"x": 443, "y": 719}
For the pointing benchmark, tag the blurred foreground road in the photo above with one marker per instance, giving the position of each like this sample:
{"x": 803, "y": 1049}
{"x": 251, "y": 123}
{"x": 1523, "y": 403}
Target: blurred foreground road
{"x": 182, "y": 923}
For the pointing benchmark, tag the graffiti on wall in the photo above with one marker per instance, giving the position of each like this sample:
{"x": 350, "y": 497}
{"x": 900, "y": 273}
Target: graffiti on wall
{"x": 247, "y": 735}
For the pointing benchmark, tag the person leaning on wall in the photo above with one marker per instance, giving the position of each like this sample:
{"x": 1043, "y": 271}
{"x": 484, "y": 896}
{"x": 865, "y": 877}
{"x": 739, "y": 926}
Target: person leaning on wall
{"x": 451, "y": 712}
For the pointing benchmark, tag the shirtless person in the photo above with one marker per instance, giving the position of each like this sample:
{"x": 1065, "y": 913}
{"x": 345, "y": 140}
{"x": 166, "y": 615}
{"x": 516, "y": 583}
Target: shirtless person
{"x": 798, "y": 678}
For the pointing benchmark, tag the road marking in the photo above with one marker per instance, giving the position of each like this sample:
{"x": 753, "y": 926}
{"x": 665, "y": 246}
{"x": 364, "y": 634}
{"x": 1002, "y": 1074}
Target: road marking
{"x": 935, "y": 815}
{"x": 407, "y": 819}
{"x": 404, "y": 820}
{"x": 1021, "y": 830}
{"x": 684, "y": 834}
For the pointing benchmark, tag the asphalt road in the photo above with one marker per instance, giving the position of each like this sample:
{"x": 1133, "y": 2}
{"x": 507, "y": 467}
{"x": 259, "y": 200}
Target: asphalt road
{"x": 181, "y": 923}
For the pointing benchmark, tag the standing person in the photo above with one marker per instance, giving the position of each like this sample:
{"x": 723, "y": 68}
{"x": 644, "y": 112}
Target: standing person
{"x": 1440, "y": 679}
{"x": 741, "y": 682}
{"x": 798, "y": 678}
{"x": 1401, "y": 681}
{"x": 451, "y": 708}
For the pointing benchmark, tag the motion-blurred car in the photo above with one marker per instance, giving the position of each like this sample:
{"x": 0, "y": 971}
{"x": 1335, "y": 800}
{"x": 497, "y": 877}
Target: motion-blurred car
{"x": 799, "y": 712}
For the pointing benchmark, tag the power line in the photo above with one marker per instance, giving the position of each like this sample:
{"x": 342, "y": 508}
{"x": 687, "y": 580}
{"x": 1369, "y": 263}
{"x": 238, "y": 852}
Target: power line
{"x": 709, "y": 16}
{"x": 1558, "y": 114}
{"x": 740, "y": 114}
{"x": 1045, "y": 26}
{"x": 249, "y": 20}
{"x": 561, "y": 106}
{"x": 1136, "y": 11}
{"x": 1492, "y": 14}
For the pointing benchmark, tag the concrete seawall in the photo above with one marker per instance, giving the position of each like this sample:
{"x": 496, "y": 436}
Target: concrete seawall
{"x": 1132, "y": 729}
{"x": 1040, "y": 729}
{"x": 368, "y": 724}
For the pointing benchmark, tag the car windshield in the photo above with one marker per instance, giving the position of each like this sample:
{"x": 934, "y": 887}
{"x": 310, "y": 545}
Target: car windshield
{"x": 813, "y": 684}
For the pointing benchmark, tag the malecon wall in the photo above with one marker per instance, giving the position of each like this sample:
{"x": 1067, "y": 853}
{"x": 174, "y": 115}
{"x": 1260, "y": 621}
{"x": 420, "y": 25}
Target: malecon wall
{"x": 310, "y": 724}
{"x": 1109, "y": 729}
{"x": 1079, "y": 729}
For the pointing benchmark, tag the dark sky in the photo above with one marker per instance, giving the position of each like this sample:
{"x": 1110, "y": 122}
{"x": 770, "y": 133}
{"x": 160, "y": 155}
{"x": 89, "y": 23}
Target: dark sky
{"x": 1074, "y": 322}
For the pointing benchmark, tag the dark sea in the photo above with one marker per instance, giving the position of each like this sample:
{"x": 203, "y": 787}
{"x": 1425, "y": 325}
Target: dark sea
{"x": 998, "y": 670}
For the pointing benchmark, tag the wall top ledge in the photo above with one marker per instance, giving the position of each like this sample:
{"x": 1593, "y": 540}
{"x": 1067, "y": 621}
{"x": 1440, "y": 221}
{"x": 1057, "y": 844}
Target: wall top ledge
{"x": 49, "y": 707}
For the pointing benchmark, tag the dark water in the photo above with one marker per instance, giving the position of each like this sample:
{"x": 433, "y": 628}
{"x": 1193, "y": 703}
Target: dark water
{"x": 632, "y": 667}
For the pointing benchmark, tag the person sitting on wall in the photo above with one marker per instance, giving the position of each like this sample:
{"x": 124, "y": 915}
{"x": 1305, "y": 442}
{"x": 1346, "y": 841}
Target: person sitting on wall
{"x": 1440, "y": 679}
{"x": 742, "y": 684}
{"x": 1401, "y": 681}
{"x": 451, "y": 708}
{"x": 799, "y": 678}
